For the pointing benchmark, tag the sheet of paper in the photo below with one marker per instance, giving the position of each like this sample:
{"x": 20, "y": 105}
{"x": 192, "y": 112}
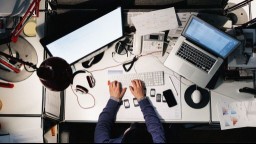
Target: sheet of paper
{"x": 28, "y": 136}
{"x": 155, "y": 21}
{"x": 52, "y": 103}
{"x": 236, "y": 114}
{"x": 176, "y": 89}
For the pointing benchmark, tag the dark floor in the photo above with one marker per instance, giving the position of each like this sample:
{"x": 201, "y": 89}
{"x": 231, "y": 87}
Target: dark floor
{"x": 183, "y": 133}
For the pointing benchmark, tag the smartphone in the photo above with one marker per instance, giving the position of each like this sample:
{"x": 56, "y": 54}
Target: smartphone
{"x": 135, "y": 102}
{"x": 152, "y": 92}
{"x": 126, "y": 103}
{"x": 170, "y": 99}
{"x": 158, "y": 97}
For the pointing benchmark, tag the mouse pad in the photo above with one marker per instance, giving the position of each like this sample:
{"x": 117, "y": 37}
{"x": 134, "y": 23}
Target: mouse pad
{"x": 205, "y": 97}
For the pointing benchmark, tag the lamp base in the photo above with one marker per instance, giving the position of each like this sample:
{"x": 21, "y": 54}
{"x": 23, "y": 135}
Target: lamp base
{"x": 22, "y": 49}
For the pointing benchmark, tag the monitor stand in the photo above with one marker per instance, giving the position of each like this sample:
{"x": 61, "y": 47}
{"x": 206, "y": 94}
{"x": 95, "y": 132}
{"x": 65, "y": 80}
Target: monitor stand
{"x": 93, "y": 60}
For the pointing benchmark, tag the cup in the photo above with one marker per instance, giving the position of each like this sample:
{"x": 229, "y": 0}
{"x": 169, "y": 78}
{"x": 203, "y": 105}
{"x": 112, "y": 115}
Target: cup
{"x": 29, "y": 29}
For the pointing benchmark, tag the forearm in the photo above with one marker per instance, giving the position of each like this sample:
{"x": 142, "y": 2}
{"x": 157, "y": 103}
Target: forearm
{"x": 152, "y": 121}
{"x": 106, "y": 121}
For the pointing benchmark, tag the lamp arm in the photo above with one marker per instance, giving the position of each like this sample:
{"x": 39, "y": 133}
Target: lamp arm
{"x": 237, "y": 6}
{"x": 19, "y": 60}
{"x": 34, "y": 7}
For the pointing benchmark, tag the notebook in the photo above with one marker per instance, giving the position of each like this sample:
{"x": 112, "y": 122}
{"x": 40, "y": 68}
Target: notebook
{"x": 200, "y": 51}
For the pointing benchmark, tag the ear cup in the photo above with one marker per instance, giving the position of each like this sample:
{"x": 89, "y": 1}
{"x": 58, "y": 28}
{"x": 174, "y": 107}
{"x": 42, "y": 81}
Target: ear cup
{"x": 90, "y": 81}
{"x": 81, "y": 89}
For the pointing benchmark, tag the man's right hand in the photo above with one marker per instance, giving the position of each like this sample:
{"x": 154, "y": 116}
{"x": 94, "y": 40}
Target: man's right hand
{"x": 115, "y": 90}
{"x": 137, "y": 89}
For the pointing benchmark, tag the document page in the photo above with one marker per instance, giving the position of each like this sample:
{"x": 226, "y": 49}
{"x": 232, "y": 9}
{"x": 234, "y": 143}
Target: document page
{"x": 52, "y": 103}
{"x": 155, "y": 21}
{"x": 236, "y": 114}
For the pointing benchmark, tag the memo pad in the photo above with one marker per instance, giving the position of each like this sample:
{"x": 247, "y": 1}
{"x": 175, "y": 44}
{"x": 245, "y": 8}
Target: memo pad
{"x": 89, "y": 39}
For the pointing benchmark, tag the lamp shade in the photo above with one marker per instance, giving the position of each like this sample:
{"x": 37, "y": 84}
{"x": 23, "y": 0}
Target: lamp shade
{"x": 55, "y": 74}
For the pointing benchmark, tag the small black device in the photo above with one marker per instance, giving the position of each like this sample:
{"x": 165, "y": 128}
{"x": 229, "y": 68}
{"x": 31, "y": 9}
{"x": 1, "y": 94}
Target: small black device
{"x": 248, "y": 90}
{"x": 170, "y": 99}
{"x": 126, "y": 103}
{"x": 152, "y": 92}
{"x": 135, "y": 102}
{"x": 158, "y": 97}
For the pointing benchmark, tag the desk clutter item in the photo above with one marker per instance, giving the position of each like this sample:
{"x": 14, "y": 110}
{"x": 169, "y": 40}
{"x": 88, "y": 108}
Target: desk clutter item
{"x": 148, "y": 78}
{"x": 22, "y": 49}
{"x": 204, "y": 99}
{"x": 6, "y": 85}
{"x": 1, "y": 105}
{"x": 169, "y": 97}
{"x": 126, "y": 103}
{"x": 30, "y": 27}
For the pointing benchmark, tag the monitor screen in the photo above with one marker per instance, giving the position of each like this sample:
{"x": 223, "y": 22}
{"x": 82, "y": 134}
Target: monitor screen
{"x": 210, "y": 37}
{"x": 88, "y": 39}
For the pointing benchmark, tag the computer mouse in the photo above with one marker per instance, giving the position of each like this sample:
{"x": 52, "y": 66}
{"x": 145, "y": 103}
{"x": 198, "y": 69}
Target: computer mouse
{"x": 196, "y": 96}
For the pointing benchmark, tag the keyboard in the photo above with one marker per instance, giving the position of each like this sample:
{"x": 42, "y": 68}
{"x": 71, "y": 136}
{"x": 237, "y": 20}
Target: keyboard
{"x": 148, "y": 78}
{"x": 196, "y": 57}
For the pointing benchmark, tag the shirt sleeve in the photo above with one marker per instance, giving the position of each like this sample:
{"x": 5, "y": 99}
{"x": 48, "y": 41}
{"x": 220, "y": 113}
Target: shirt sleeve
{"x": 154, "y": 125}
{"x": 106, "y": 122}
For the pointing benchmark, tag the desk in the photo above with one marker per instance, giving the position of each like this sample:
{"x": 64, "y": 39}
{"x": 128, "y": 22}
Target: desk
{"x": 208, "y": 114}
{"x": 73, "y": 113}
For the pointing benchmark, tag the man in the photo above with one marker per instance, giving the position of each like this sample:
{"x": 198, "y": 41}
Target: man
{"x": 108, "y": 115}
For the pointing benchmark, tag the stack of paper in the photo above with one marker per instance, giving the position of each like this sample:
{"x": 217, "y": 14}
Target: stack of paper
{"x": 236, "y": 114}
{"x": 155, "y": 21}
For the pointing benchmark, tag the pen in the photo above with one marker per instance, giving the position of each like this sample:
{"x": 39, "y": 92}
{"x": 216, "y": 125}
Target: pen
{"x": 173, "y": 85}
{"x": 6, "y": 85}
{"x": 8, "y": 65}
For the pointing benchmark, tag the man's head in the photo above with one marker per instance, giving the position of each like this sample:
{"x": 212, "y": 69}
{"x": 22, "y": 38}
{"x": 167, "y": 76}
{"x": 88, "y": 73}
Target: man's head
{"x": 137, "y": 133}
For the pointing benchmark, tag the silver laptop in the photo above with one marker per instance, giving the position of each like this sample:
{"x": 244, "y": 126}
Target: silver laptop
{"x": 200, "y": 51}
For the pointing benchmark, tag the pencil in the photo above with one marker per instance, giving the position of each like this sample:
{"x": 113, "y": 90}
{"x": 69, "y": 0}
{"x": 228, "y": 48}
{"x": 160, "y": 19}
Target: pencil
{"x": 173, "y": 85}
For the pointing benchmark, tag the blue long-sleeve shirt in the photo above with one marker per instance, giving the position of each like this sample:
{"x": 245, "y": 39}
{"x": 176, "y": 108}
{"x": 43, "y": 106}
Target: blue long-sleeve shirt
{"x": 108, "y": 116}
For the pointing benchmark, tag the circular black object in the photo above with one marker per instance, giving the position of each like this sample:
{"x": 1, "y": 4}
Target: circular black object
{"x": 205, "y": 97}
{"x": 55, "y": 74}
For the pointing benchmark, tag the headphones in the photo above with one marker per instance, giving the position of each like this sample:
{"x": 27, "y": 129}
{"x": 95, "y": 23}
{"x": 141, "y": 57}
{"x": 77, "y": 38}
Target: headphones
{"x": 81, "y": 87}
{"x": 80, "y": 83}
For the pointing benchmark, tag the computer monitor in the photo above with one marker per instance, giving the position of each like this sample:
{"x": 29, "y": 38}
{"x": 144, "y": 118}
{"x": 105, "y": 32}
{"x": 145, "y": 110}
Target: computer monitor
{"x": 90, "y": 39}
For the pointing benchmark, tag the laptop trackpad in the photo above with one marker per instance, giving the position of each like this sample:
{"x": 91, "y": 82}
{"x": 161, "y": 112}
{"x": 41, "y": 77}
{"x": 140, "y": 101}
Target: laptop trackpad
{"x": 186, "y": 70}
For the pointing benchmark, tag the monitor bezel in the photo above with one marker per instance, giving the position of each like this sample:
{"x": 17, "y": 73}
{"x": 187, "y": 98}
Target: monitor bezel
{"x": 100, "y": 50}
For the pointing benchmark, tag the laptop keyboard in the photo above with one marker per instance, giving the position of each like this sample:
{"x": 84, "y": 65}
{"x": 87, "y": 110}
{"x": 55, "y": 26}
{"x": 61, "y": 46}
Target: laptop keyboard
{"x": 196, "y": 57}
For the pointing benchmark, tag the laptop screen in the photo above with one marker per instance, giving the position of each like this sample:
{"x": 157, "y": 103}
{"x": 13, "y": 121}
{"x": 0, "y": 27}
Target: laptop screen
{"x": 88, "y": 39}
{"x": 210, "y": 37}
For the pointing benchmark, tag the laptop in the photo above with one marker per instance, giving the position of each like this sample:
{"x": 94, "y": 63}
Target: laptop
{"x": 200, "y": 51}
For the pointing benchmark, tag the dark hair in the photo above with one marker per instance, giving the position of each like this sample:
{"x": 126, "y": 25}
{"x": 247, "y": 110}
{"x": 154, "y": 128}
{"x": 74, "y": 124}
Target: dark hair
{"x": 137, "y": 134}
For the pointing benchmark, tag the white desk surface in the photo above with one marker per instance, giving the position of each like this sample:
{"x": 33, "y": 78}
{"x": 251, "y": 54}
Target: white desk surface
{"x": 26, "y": 96}
{"x": 23, "y": 129}
{"x": 13, "y": 124}
{"x": 101, "y": 93}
